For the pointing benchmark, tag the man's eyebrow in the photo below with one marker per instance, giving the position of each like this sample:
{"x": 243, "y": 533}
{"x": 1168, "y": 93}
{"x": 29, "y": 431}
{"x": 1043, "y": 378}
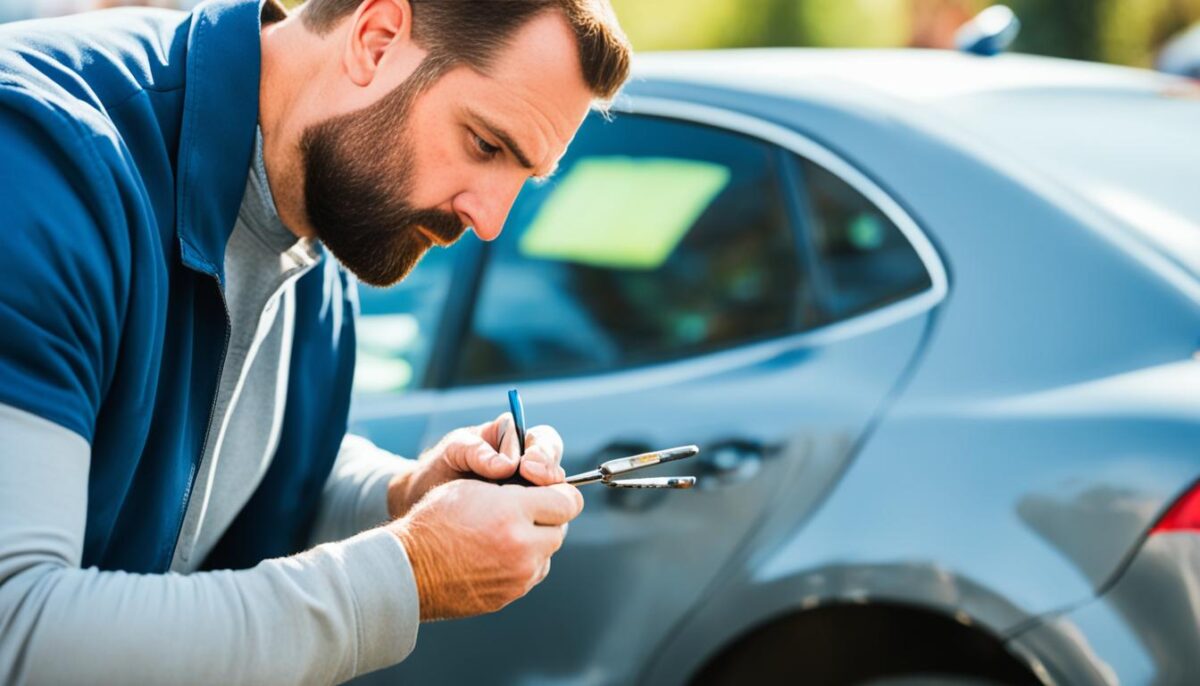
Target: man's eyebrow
{"x": 504, "y": 139}
{"x": 548, "y": 175}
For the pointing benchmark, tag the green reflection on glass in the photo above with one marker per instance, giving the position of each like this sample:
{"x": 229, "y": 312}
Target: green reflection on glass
{"x": 623, "y": 212}
{"x": 866, "y": 232}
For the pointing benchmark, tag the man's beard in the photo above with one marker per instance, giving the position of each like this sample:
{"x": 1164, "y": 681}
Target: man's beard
{"x": 357, "y": 179}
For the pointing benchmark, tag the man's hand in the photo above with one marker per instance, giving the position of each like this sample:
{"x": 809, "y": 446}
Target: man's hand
{"x": 488, "y": 450}
{"x": 476, "y": 547}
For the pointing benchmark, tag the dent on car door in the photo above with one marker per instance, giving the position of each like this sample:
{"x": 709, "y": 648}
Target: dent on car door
{"x": 654, "y": 293}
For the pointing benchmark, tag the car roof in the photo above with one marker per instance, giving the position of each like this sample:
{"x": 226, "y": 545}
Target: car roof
{"x": 911, "y": 75}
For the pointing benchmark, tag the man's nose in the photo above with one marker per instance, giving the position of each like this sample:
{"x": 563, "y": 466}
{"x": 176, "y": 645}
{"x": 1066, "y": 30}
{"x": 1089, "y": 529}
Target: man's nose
{"x": 487, "y": 230}
{"x": 486, "y": 213}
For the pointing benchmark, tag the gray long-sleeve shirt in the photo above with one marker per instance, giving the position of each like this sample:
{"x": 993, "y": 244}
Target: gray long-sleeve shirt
{"x": 331, "y": 613}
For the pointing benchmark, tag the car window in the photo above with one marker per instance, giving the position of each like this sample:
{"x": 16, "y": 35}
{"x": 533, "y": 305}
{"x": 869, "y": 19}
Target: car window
{"x": 397, "y": 326}
{"x": 866, "y": 261}
{"x": 656, "y": 239}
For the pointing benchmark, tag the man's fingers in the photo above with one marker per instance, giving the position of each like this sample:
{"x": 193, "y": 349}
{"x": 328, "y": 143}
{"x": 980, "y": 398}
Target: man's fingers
{"x": 495, "y": 430}
{"x": 510, "y": 443}
{"x": 545, "y": 439}
{"x": 543, "y": 452}
{"x": 539, "y": 464}
{"x": 544, "y": 573}
{"x": 467, "y": 452}
{"x": 552, "y": 505}
{"x": 548, "y": 539}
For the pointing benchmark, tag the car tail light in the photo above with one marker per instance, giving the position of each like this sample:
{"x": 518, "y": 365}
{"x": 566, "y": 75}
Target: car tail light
{"x": 1184, "y": 515}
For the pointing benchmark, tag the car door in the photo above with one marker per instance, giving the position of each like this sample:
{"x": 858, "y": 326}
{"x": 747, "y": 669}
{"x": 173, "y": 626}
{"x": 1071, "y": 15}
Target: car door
{"x": 661, "y": 290}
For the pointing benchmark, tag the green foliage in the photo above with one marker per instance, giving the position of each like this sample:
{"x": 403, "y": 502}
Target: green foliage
{"x": 1132, "y": 30}
{"x": 861, "y": 23}
{"x": 1062, "y": 28}
{"x": 693, "y": 24}
{"x": 1122, "y": 31}
{"x": 685, "y": 24}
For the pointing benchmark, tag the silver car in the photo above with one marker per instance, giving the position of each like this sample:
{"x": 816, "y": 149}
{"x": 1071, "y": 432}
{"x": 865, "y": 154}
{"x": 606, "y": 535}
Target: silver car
{"x": 933, "y": 320}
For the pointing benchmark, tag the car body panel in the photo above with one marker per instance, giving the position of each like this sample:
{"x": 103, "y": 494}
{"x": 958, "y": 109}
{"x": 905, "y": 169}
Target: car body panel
{"x": 1142, "y": 631}
{"x": 636, "y": 563}
{"x": 988, "y": 351}
{"x": 890, "y": 533}
{"x": 895, "y": 80}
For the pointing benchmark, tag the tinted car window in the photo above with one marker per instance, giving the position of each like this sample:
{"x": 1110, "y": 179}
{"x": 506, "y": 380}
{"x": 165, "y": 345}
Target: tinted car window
{"x": 656, "y": 239}
{"x": 397, "y": 326}
{"x": 866, "y": 260}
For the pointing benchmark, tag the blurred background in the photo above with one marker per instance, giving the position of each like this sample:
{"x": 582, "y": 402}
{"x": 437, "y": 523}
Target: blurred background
{"x": 1130, "y": 32}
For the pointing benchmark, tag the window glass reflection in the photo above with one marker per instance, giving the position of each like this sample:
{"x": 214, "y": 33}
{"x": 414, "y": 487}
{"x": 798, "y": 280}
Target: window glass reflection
{"x": 866, "y": 260}
{"x": 656, "y": 240}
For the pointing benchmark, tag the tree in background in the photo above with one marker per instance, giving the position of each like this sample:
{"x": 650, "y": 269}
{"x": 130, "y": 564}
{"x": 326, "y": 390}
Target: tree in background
{"x": 1132, "y": 31}
{"x": 1120, "y": 31}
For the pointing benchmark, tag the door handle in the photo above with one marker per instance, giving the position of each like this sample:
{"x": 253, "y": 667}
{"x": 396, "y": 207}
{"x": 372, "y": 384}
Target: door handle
{"x": 730, "y": 462}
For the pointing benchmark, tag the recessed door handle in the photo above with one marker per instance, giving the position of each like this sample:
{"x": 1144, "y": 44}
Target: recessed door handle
{"x": 729, "y": 462}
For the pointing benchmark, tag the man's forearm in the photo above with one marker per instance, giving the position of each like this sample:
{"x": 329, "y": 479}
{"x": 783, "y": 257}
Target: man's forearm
{"x": 324, "y": 616}
{"x": 356, "y": 494}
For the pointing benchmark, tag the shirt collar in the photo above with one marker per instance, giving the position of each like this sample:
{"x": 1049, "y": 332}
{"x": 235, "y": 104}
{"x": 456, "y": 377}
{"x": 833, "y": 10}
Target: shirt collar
{"x": 220, "y": 115}
{"x": 259, "y": 214}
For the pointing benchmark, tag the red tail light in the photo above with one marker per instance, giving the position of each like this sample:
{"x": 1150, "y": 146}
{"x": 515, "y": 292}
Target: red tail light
{"x": 1184, "y": 515}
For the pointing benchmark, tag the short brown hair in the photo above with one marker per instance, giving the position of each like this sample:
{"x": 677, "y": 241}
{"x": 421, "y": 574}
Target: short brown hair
{"x": 472, "y": 31}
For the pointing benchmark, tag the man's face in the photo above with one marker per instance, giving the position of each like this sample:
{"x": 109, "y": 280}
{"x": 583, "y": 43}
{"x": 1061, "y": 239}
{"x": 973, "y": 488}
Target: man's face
{"x": 415, "y": 168}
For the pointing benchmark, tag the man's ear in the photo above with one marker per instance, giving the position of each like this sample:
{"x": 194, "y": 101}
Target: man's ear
{"x": 377, "y": 27}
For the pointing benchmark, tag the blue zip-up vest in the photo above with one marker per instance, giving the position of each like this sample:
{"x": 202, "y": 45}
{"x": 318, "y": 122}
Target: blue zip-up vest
{"x": 125, "y": 142}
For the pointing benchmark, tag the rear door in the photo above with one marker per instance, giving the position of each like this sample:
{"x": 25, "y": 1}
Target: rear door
{"x": 675, "y": 283}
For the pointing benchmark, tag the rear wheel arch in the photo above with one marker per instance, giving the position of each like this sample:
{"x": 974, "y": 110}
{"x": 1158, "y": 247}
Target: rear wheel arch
{"x": 847, "y": 643}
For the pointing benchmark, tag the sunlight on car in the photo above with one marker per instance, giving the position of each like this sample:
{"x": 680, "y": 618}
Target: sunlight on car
{"x": 623, "y": 212}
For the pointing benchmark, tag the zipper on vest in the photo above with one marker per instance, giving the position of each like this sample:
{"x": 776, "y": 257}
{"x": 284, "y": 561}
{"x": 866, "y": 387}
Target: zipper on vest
{"x": 212, "y": 408}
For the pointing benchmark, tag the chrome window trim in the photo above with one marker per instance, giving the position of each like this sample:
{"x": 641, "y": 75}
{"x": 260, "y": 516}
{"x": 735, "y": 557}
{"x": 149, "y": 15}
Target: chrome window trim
{"x": 796, "y": 142}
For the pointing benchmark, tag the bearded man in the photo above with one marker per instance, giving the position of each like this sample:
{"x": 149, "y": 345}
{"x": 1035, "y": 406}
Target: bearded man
{"x": 186, "y": 201}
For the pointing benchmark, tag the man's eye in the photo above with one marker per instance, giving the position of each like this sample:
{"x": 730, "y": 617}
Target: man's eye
{"x": 487, "y": 149}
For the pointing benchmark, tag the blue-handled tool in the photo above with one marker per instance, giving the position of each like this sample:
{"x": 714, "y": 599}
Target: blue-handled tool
{"x": 518, "y": 414}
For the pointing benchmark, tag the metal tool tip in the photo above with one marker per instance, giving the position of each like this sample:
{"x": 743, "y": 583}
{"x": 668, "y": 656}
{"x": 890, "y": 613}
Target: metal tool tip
{"x": 683, "y": 451}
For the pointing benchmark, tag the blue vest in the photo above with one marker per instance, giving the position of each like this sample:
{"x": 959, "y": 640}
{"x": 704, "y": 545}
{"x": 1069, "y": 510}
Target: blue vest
{"x": 125, "y": 142}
